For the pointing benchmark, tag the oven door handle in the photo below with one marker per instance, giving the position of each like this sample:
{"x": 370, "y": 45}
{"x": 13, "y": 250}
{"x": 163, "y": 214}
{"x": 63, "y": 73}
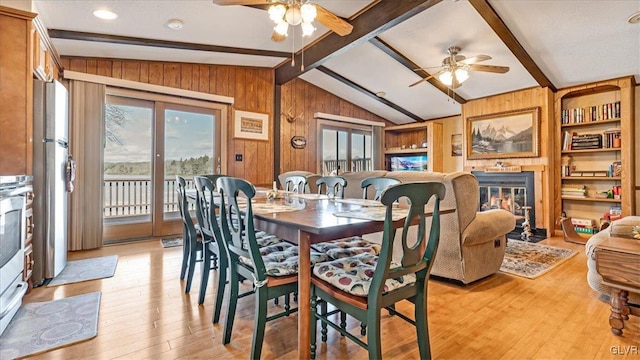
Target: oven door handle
{"x": 20, "y": 290}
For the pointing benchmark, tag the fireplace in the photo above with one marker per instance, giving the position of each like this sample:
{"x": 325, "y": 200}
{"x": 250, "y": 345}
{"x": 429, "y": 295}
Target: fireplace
{"x": 511, "y": 192}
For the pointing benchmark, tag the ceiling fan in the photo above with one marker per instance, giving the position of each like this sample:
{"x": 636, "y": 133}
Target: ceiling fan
{"x": 455, "y": 68}
{"x": 285, "y": 13}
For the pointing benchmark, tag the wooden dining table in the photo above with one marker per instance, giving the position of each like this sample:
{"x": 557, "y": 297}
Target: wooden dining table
{"x": 311, "y": 222}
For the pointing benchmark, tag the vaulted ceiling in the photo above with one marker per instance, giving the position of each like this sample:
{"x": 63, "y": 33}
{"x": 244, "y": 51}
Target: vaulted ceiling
{"x": 544, "y": 43}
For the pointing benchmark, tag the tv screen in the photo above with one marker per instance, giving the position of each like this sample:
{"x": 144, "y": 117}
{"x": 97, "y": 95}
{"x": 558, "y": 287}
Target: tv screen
{"x": 409, "y": 163}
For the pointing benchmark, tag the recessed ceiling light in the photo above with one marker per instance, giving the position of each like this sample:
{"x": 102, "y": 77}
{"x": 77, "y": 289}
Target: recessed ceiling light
{"x": 381, "y": 94}
{"x": 175, "y": 24}
{"x": 105, "y": 14}
{"x": 634, "y": 19}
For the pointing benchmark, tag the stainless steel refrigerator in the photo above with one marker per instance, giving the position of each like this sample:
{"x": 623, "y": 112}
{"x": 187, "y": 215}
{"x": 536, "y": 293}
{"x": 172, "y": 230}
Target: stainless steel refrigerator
{"x": 50, "y": 168}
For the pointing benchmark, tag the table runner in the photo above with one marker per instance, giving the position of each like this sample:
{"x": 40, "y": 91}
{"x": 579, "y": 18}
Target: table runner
{"x": 362, "y": 202}
{"x": 373, "y": 213}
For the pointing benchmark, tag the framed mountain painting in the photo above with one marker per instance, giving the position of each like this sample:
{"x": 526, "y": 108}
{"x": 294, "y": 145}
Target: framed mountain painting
{"x": 511, "y": 134}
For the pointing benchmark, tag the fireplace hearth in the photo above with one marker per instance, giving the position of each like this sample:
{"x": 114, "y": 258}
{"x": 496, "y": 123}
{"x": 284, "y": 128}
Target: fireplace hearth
{"x": 511, "y": 192}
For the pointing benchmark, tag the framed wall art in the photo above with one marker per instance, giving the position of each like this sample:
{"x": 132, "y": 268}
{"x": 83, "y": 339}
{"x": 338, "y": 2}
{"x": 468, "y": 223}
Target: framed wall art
{"x": 251, "y": 125}
{"x": 456, "y": 144}
{"x": 512, "y": 134}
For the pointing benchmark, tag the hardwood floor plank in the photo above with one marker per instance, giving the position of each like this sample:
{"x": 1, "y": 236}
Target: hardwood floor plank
{"x": 145, "y": 314}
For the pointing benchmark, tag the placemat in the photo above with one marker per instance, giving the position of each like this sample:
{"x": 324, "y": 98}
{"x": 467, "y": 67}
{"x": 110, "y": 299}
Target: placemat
{"x": 361, "y": 202}
{"x": 373, "y": 213}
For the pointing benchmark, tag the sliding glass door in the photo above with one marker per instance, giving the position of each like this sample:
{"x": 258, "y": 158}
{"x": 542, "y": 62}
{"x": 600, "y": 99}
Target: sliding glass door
{"x": 148, "y": 142}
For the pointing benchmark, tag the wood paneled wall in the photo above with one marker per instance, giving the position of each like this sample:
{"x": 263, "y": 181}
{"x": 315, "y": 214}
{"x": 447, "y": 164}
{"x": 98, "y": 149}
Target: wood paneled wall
{"x": 252, "y": 89}
{"x": 543, "y": 165}
{"x": 16, "y": 106}
{"x": 306, "y": 100}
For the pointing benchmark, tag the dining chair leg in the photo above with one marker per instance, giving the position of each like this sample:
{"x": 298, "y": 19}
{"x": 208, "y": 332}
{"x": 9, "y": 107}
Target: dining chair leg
{"x": 343, "y": 321}
{"x": 231, "y": 308}
{"x": 186, "y": 250}
{"x": 422, "y": 327}
{"x": 222, "y": 283}
{"x": 323, "y": 325}
{"x": 373, "y": 335}
{"x": 260, "y": 317}
{"x": 205, "y": 268}
{"x": 314, "y": 325}
{"x": 193, "y": 258}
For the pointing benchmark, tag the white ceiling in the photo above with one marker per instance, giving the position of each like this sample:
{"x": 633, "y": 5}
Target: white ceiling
{"x": 571, "y": 41}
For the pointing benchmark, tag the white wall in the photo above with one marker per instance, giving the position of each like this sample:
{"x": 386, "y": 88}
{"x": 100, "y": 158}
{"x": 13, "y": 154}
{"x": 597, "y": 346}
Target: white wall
{"x": 451, "y": 125}
{"x": 17, "y": 4}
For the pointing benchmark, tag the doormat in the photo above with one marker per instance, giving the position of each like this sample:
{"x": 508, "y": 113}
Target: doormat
{"x": 531, "y": 260}
{"x": 87, "y": 269}
{"x": 44, "y": 326}
{"x": 167, "y": 243}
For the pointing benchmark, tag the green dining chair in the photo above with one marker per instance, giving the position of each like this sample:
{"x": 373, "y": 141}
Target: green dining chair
{"x": 364, "y": 284}
{"x": 333, "y": 185}
{"x": 272, "y": 268}
{"x": 378, "y": 183}
{"x": 206, "y": 214}
{"x": 295, "y": 184}
{"x": 192, "y": 241}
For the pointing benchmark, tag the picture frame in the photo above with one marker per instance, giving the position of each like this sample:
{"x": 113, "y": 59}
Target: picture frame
{"x": 251, "y": 125}
{"x": 456, "y": 144}
{"x": 509, "y": 134}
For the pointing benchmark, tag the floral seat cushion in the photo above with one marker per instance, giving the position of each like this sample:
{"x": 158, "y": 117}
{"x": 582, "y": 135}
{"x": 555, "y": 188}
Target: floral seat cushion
{"x": 281, "y": 259}
{"x": 347, "y": 247}
{"x": 353, "y": 274}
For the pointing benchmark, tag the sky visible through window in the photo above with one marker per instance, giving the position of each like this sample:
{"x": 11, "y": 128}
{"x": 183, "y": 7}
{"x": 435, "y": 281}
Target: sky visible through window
{"x": 187, "y": 135}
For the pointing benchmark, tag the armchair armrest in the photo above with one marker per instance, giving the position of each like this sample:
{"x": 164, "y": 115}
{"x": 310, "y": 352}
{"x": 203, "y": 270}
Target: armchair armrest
{"x": 487, "y": 226}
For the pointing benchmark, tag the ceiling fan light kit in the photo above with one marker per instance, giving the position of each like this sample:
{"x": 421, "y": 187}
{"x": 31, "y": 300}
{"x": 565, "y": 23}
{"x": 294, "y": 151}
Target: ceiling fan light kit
{"x": 293, "y": 14}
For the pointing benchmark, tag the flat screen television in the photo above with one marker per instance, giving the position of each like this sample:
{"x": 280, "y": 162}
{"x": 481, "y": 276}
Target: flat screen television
{"x": 408, "y": 163}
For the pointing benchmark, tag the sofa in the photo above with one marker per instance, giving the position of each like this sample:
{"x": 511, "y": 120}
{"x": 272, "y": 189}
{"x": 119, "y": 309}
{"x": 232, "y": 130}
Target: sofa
{"x": 618, "y": 228}
{"x": 472, "y": 243}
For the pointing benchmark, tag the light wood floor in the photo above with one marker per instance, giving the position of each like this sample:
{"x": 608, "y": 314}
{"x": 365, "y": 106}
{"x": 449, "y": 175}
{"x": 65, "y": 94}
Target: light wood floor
{"x": 145, "y": 314}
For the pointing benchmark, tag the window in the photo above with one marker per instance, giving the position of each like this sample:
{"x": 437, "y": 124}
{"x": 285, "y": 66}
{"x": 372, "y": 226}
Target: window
{"x": 346, "y": 148}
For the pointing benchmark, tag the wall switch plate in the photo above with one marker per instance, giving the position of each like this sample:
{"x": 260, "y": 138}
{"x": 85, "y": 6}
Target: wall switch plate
{"x": 238, "y": 157}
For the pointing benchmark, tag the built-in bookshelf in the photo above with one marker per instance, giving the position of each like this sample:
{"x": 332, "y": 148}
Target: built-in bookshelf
{"x": 595, "y": 154}
{"x": 421, "y": 142}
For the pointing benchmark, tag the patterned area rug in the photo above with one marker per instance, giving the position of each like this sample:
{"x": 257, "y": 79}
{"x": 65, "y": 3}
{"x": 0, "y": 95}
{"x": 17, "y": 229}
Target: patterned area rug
{"x": 87, "y": 269}
{"x": 43, "y": 326}
{"x": 167, "y": 243}
{"x": 531, "y": 260}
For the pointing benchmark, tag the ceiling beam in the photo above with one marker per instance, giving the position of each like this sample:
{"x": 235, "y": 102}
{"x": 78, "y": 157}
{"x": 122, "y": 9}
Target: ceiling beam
{"x": 500, "y": 28}
{"x": 380, "y": 17}
{"x": 406, "y": 62}
{"x": 367, "y": 92}
{"x": 128, "y": 40}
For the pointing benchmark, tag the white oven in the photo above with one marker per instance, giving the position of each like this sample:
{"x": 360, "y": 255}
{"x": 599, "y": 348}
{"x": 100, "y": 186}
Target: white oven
{"x": 12, "y": 235}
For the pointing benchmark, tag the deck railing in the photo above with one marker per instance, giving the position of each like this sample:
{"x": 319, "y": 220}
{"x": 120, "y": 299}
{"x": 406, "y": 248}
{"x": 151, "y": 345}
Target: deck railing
{"x": 329, "y": 166}
{"x": 129, "y": 197}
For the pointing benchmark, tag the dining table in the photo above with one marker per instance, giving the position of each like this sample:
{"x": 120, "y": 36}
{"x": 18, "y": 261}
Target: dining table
{"x": 307, "y": 219}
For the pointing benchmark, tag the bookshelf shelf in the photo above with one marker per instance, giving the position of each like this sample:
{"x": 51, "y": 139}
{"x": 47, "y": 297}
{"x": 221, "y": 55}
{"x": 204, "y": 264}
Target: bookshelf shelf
{"x": 429, "y": 132}
{"x": 582, "y": 113}
{"x": 591, "y": 123}
{"x": 407, "y": 151}
{"x": 591, "y": 199}
{"x": 592, "y": 178}
{"x": 591, "y": 151}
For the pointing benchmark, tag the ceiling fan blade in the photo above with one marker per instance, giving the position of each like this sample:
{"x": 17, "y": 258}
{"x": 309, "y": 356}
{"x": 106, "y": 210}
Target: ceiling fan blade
{"x": 241, "y": 2}
{"x": 489, "y": 68}
{"x": 426, "y": 78}
{"x": 331, "y": 21}
{"x": 277, "y": 37}
{"x": 475, "y": 59}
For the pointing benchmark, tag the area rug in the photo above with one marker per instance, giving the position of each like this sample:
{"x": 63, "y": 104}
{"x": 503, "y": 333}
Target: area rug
{"x": 531, "y": 260}
{"x": 44, "y": 326}
{"x": 87, "y": 269}
{"x": 168, "y": 243}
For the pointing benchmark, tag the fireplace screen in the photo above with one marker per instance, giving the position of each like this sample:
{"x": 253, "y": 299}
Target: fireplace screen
{"x": 508, "y": 198}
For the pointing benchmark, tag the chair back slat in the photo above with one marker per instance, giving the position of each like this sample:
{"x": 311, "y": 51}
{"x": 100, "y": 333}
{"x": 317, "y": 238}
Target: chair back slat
{"x": 236, "y": 223}
{"x": 206, "y": 209}
{"x": 379, "y": 184}
{"x": 333, "y": 185}
{"x": 296, "y": 184}
{"x": 183, "y": 206}
{"x": 417, "y": 256}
